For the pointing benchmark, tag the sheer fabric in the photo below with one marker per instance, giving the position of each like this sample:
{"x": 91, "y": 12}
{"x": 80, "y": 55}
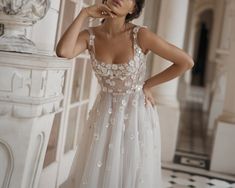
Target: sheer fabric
{"x": 120, "y": 145}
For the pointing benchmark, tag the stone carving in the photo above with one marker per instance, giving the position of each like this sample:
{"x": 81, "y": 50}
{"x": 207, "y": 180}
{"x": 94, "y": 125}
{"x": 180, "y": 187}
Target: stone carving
{"x": 16, "y": 16}
{"x": 220, "y": 73}
{"x": 223, "y": 49}
{"x": 30, "y": 88}
{"x": 37, "y": 153}
{"x": 6, "y": 163}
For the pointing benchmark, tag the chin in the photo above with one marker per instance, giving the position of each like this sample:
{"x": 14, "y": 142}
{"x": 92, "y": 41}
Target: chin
{"x": 113, "y": 8}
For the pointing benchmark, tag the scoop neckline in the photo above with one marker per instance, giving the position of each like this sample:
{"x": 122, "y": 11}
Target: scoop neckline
{"x": 98, "y": 62}
{"x": 132, "y": 59}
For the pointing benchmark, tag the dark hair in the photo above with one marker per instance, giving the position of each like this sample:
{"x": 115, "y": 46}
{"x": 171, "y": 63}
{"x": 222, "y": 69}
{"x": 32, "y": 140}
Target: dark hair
{"x": 139, "y": 4}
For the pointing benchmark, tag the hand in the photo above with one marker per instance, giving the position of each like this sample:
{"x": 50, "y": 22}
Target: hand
{"x": 99, "y": 11}
{"x": 148, "y": 96}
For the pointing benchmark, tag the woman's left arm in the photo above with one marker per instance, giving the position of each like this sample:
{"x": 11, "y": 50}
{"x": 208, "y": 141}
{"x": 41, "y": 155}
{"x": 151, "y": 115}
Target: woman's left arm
{"x": 180, "y": 59}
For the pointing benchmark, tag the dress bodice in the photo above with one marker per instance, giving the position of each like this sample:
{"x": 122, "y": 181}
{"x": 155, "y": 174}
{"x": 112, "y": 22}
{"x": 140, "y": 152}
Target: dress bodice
{"x": 120, "y": 78}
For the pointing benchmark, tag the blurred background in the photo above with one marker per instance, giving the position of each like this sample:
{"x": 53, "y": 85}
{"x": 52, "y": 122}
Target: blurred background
{"x": 45, "y": 100}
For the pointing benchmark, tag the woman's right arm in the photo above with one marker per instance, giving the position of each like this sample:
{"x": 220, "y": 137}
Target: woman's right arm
{"x": 66, "y": 46}
{"x": 73, "y": 42}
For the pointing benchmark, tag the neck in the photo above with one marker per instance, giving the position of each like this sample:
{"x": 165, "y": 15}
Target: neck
{"x": 113, "y": 26}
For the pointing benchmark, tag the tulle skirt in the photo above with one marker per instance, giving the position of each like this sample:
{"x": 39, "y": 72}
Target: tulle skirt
{"x": 120, "y": 144}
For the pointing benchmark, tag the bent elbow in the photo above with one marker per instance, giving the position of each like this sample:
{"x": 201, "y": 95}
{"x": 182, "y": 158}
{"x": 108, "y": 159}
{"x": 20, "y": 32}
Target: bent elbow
{"x": 63, "y": 54}
{"x": 190, "y": 63}
{"x": 59, "y": 54}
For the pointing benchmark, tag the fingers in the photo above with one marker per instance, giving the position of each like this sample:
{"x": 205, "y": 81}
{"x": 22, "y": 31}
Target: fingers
{"x": 149, "y": 99}
{"x": 107, "y": 14}
{"x": 106, "y": 11}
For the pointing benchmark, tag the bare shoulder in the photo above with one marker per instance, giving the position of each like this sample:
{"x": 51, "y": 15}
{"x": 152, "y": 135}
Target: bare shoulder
{"x": 143, "y": 37}
{"x": 150, "y": 40}
{"x": 144, "y": 33}
{"x": 85, "y": 35}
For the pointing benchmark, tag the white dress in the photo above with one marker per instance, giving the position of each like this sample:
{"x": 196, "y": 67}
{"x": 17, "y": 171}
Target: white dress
{"x": 120, "y": 146}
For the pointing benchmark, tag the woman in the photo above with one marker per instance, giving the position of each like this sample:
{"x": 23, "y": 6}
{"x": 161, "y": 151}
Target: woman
{"x": 120, "y": 146}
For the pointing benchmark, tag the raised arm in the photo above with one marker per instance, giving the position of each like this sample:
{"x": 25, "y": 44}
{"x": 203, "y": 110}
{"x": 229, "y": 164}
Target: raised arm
{"x": 74, "y": 41}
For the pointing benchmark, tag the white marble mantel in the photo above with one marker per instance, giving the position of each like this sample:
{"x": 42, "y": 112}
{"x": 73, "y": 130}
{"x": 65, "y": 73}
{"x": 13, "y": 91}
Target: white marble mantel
{"x": 30, "y": 83}
{"x": 31, "y": 91}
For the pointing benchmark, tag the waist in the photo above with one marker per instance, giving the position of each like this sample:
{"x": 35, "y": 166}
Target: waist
{"x": 112, "y": 91}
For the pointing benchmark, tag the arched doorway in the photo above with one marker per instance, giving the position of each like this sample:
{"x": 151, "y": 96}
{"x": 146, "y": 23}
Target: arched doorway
{"x": 193, "y": 145}
{"x": 201, "y": 48}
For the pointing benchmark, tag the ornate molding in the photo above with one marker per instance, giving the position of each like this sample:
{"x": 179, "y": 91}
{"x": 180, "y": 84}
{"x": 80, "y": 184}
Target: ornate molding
{"x": 22, "y": 10}
{"x": 16, "y": 16}
{"x": 225, "y": 40}
{"x": 38, "y": 153}
{"x": 32, "y": 87}
{"x": 221, "y": 63}
{"x": 201, "y": 6}
{"x": 8, "y": 161}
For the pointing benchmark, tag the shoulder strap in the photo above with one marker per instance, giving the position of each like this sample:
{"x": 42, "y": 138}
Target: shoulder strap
{"x": 91, "y": 38}
{"x": 135, "y": 33}
{"x": 136, "y": 29}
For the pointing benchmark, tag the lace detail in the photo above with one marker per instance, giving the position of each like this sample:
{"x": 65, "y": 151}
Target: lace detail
{"x": 120, "y": 78}
{"x": 120, "y": 144}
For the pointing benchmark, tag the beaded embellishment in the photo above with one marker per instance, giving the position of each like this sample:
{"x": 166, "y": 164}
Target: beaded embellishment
{"x": 119, "y": 78}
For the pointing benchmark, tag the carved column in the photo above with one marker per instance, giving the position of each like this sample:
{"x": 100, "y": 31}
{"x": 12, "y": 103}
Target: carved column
{"x": 223, "y": 153}
{"x": 172, "y": 14}
{"x": 219, "y": 83}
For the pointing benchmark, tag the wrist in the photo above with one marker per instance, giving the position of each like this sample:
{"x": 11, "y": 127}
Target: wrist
{"x": 84, "y": 12}
{"x": 146, "y": 86}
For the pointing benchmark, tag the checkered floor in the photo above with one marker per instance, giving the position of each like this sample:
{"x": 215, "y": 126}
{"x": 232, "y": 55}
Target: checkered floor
{"x": 192, "y": 130}
{"x": 192, "y": 156}
{"x": 177, "y": 179}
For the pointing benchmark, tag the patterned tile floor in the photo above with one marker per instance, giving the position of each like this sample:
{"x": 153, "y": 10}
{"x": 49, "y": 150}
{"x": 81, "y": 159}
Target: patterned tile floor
{"x": 193, "y": 144}
{"x": 191, "y": 161}
{"x": 192, "y": 129}
{"x": 179, "y": 179}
